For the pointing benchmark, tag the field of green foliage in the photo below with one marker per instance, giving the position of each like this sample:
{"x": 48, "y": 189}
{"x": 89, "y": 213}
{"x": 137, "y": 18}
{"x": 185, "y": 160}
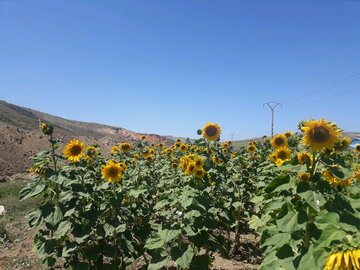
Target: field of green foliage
{"x": 177, "y": 205}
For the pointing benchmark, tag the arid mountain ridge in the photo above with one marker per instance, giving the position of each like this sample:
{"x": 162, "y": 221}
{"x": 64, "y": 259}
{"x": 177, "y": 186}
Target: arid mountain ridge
{"x": 20, "y": 137}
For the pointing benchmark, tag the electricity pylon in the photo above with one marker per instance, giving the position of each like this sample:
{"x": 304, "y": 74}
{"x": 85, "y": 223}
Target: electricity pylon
{"x": 272, "y": 105}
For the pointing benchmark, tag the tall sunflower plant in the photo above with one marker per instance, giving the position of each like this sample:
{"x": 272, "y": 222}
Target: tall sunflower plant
{"x": 310, "y": 212}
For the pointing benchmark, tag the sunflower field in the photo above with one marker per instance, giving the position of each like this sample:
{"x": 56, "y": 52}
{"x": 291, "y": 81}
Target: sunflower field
{"x": 175, "y": 206}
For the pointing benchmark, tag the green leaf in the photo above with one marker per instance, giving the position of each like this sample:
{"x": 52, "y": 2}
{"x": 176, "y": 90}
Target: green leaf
{"x": 29, "y": 192}
{"x": 185, "y": 259}
{"x": 136, "y": 192}
{"x": 121, "y": 228}
{"x": 257, "y": 199}
{"x": 330, "y": 233}
{"x": 314, "y": 200}
{"x": 278, "y": 240}
{"x": 237, "y": 204}
{"x": 278, "y": 181}
{"x": 340, "y": 172}
{"x": 192, "y": 214}
{"x": 323, "y": 220}
{"x": 109, "y": 229}
{"x": 289, "y": 222}
{"x": 62, "y": 229}
{"x": 168, "y": 235}
{"x": 154, "y": 243}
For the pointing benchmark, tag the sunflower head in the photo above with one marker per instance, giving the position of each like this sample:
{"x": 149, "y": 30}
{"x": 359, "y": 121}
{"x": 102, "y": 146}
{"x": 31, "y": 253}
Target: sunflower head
{"x": 46, "y": 128}
{"x": 114, "y": 149}
{"x": 320, "y": 135}
{"x": 175, "y": 165}
{"x": 304, "y": 176}
{"x": 74, "y": 150}
{"x": 136, "y": 156}
{"x": 344, "y": 259}
{"x": 211, "y": 131}
{"x": 199, "y": 163}
{"x": 304, "y": 158}
{"x": 199, "y": 173}
{"x": 183, "y": 148}
{"x": 279, "y": 140}
{"x": 143, "y": 137}
{"x": 251, "y": 148}
{"x": 288, "y": 134}
{"x": 150, "y": 158}
{"x": 191, "y": 168}
{"x": 147, "y": 152}
{"x": 112, "y": 172}
{"x": 282, "y": 155}
{"x": 272, "y": 157}
{"x": 357, "y": 148}
{"x": 91, "y": 151}
{"x": 125, "y": 147}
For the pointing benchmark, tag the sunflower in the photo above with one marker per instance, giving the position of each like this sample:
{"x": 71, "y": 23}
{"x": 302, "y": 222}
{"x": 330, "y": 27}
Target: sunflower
{"x": 143, "y": 137}
{"x": 191, "y": 168}
{"x": 150, "y": 158}
{"x": 217, "y": 160}
{"x": 73, "y": 150}
{"x": 344, "y": 144}
{"x": 183, "y": 148}
{"x": 304, "y": 176}
{"x": 114, "y": 149}
{"x": 199, "y": 163}
{"x": 332, "y": 180}
{"x": 349, "y": 259}
{"x": 136, "y": 156}
{"x": 320, "y": 134}
{"x": 282, "y": 154}
{"x": 288, "y": 134}
{"x": 357, "y": 148}
{"x": 147, "y": 153}
{"x": 123, "y": 166}
{"x": 251, "y": 148}
{"x": 225, "y": 145}
{"x": 199, "y": 173}
{"x": 91, "y": 152}
{"x": 125, "y": 147}
{"x": 304, "y": 158}
{"x": 175, "y": 165}
{"x": 46, "y": 128}
{"x": 112, "y": 172}
{"x": 211, "y": 131}
{"x": 272, "y": 157}
{"x": 279, "y": 140}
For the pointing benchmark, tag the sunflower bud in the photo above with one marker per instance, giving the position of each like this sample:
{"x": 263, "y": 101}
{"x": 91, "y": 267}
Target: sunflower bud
{"x": 47, "y": 129}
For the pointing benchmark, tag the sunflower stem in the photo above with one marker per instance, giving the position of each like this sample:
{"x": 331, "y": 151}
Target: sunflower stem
{"x": 53, "y": 157}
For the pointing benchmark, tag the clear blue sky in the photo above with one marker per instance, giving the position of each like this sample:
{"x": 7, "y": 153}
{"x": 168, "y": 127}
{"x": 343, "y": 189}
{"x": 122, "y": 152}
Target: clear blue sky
{"x": 168, "y": 67}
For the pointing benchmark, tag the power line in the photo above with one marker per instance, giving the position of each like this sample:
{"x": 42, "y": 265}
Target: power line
{"x": 328, "y": 87}
{"x": 272, "y": 105}
{"x": 329, "y": 96}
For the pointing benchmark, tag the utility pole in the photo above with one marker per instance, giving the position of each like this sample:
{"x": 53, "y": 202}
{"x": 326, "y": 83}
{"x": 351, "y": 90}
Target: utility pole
{"x": 232, "y": 136}
{"x": 272, "y": 105}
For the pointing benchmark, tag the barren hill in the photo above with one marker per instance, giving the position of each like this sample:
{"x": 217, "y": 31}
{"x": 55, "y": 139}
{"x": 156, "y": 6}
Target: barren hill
{"x": 20, "y": 137}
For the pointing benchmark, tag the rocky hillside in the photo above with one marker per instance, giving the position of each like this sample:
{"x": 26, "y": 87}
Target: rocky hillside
{"x": 20, "y": 137}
